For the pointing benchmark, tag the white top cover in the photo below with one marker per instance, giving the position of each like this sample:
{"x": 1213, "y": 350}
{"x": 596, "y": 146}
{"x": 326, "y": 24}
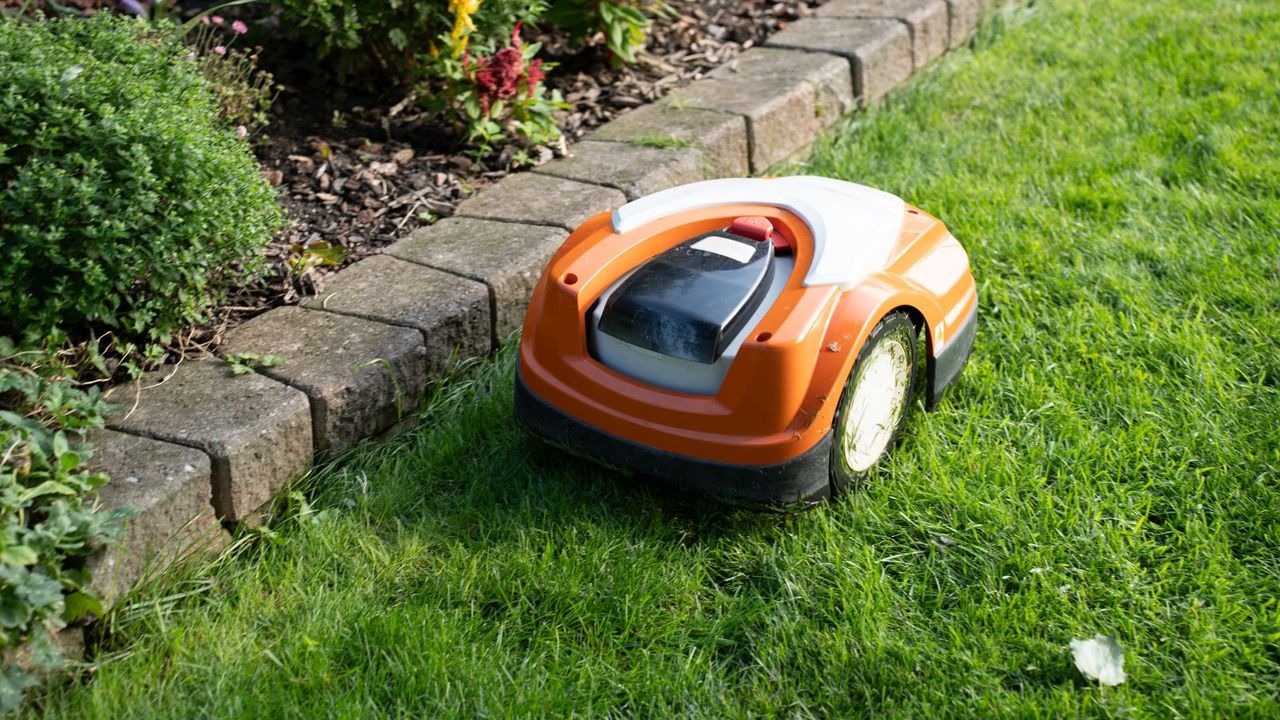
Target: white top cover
{"x": 854, "y": 227}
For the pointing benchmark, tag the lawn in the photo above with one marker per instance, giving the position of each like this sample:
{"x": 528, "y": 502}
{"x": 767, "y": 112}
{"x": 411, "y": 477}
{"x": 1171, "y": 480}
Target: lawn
{"x": 1108, "y": 464}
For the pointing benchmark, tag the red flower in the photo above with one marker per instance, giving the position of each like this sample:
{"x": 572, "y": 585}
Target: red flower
{"x": 534, "y": 76}
{"x": 499, "y": 76}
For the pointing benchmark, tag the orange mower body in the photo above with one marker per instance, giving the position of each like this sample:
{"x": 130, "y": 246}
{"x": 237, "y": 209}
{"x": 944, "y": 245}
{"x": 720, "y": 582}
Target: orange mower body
{"x": 708, "y": 334}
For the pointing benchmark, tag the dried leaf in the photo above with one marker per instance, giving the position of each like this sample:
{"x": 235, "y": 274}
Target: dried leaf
{"x": 1100, "y": 658}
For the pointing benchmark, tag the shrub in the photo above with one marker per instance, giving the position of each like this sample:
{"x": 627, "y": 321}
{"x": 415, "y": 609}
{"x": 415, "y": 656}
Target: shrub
{"x": 125, "y": 205}
{"x": 47, "y": 519}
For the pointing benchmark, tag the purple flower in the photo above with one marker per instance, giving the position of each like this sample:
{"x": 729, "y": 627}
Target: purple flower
{"x": 239, "y": 27}
{"x": 241, "y": 131}
{"x": 134, "y": 7}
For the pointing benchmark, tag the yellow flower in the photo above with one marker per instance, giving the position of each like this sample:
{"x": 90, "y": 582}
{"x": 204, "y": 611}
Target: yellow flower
{"x": 462, "y": 26}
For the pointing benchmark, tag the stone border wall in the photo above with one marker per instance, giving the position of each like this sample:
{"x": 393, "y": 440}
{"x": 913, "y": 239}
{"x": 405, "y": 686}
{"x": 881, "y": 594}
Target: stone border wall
{"x": 198, "y": 449}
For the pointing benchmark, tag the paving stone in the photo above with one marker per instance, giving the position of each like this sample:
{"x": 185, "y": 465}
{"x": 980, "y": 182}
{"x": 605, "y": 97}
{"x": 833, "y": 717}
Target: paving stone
{"x": 256, "y": 431}
{"x": 880, "y": 50}
{"x": 541, "y": 200}
{"x": 451, "y": 312}
{"x": 358, "y": 374}
{"x": 781, "y": 120}
{"x": 831, "y": 80}
{"x": 963, "y": 17}
{"x": 636, "y": 170}
{"x": 926, "y": 20}
{"x": 171, "y": 488}
{"x": 785, "y": 96}
{"x": 722, "y": 137}
{"x": 507, "y": 257}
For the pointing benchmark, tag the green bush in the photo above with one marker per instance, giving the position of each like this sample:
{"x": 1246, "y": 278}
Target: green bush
{"x": 48, "y": 522}
{"x": 125, "y": 206}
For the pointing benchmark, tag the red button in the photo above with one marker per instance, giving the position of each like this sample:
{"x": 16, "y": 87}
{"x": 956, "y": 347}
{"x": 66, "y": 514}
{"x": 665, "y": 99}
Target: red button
{"x": 752, "y": 226}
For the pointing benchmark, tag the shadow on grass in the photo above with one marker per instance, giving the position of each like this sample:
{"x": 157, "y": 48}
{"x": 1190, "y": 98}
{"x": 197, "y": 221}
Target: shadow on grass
{"x": 465, "y": 471}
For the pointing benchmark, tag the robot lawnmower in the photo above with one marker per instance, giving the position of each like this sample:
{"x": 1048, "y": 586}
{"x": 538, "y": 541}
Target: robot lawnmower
{"x": 756, "y": 339}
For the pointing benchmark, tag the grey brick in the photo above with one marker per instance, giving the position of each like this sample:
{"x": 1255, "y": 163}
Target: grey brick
{"x": 255, "y": 430}
{"x": 880, "y": 50}
{"x": 636, "y": 170}
{"x": 359, "y": 374}
{"x": 451, "y": 312}
{"x": 785, "y": 96}
{"x": 926, "y": 20}
{"x": 541, "y": 200}
{"x": 831, "y": 79}
{"x": 781, "y": 120}
{"x": 507, "y": 257}
{"x": 171, "y": 488}
{"x": 963, "y": 17}
{"x": 722, "y": 137}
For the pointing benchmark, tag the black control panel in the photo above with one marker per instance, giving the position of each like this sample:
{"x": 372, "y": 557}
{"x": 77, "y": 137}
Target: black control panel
{"x": 692, "y": 300}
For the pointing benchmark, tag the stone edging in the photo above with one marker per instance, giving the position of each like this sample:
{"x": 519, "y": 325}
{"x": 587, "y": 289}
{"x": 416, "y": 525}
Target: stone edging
{"x": 198, "y": 448}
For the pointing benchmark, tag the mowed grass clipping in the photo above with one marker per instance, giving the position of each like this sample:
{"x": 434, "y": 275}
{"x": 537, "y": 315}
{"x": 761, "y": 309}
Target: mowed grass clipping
{"x": 1108, "y": 463}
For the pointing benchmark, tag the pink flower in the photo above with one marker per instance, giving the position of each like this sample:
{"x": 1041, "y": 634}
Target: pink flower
{"x": 204, "y": 19}
{"x": 191, "y": 55}
{"x": 220, "y": 49}
{"x": 241, "y": 131}
{"x": 217, "y": 19}
{"x": 239, "y": 27}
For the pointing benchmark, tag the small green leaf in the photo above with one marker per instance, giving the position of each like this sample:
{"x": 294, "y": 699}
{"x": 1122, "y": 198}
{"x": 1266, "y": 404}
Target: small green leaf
{"x": 323, "y": 253}
{"x": 19, "y": 555}
{"x": 48, "y": 487}
{"x": 70, "y": 74}
{"x": 79, "y": 604}
{"x": 69, "y": 461}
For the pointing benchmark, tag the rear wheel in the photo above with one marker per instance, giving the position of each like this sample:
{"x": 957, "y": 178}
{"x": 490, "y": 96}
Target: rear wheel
{"x": 876, "y": 398}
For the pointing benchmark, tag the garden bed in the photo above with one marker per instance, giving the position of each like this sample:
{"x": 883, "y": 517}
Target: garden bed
{"x": 357, "y": 175}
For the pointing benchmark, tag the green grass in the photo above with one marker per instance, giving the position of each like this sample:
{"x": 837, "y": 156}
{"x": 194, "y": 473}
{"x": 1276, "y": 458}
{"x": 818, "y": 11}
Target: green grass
{"x": 1107, "y": 464}
{"x": 657, "y": 140}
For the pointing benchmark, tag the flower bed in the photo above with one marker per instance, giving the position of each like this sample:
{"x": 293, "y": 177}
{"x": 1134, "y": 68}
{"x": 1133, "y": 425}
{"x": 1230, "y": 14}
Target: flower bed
{"x": 358, "y": 175}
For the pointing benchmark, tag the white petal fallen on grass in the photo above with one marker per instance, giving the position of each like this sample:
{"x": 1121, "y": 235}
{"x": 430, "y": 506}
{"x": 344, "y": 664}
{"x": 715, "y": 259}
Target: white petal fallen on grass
{"x": 1100, "y": 659}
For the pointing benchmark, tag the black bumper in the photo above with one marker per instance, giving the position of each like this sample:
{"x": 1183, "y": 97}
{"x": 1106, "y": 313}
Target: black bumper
{"x": 796, "y": 483}
{"x": 947, "y": 365}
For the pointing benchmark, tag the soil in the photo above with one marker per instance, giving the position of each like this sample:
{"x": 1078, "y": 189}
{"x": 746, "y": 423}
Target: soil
{"x": 359, "y": 173}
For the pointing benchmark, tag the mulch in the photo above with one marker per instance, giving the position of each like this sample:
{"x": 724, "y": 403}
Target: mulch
{"x": 358, "y": 174}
